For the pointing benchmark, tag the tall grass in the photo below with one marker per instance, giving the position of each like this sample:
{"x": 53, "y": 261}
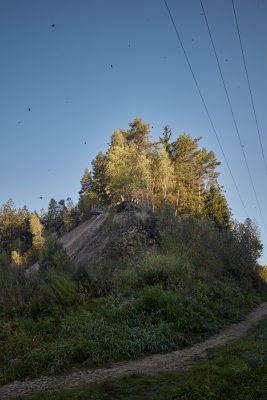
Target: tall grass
{"x": 65, "y": 315}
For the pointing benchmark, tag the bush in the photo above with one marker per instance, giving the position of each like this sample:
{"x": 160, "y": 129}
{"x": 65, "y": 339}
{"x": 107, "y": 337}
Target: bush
{"x": 54, "y": 257}
{"x": 58, "y": 289}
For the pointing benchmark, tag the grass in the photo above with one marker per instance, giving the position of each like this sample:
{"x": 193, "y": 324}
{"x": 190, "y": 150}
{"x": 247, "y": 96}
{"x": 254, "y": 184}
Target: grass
{"x": 65, "y": 317}
{"x": 237, "y": 372}
{"x": 142, "y": 320}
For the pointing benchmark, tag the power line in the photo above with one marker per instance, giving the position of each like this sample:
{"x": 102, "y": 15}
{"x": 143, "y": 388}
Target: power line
{"x": 233, "y": 116}
{"x": 205, "y": 106}
{"x": 249, "y": 86}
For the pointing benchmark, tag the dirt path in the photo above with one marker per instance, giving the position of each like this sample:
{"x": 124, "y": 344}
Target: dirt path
{"x": 154, "y": 364}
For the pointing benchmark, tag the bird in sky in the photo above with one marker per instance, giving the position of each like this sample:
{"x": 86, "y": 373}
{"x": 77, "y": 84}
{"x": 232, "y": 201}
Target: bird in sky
{"x": 41, "y": 197}
{"x": 29, "y": 109}
{"x": 111, "y": 65}
{"x": 84, "y": 142}
{"x": 53, "y": 25}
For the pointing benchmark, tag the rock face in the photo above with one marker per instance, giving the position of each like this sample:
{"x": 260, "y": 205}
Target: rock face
{"x": 121, "y": 231}
{"x": 84, "y": 244}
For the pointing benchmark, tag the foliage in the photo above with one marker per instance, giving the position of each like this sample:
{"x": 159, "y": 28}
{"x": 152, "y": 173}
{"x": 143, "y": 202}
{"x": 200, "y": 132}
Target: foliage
{"x": 14, "y": 230}
{"x": 135, "y": 168}
{"x": 141, "y": 306}
{"x": 58, "y": 288}
{"x": 216, "y": 207}
{"x": 71, "y": 215}
{"x": 86, "y": 182}
{"x": 237, "y": 372}
{"x": 87, "y": 203}
{"x": 263, "y": 273}
{"x": 16, "y": 258}
{"x": 37, "y": 231}
{"x": 99, "y": 181}
{"x": 54, "y": 257}
{"x": 202, "y": 275}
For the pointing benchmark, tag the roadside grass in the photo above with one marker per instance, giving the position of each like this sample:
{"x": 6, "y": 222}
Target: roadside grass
{"x": 237, "y": 372}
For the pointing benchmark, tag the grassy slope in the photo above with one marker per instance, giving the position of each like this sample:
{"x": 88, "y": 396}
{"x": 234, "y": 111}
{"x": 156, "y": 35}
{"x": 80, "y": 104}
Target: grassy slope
{"x": 238, "y": 372}
{"x": 178, "y": 308}
{"x": 198, "y": 282}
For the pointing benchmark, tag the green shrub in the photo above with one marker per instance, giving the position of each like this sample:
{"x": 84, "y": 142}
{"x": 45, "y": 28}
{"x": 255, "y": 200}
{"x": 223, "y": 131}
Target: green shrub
{"x": 158, "y": 303}
{"x": 54, "y": 256}
{"x": 58, "y": 289}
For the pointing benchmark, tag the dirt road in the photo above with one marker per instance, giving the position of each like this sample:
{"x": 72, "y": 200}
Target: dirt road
{"x": 154, "y": 364}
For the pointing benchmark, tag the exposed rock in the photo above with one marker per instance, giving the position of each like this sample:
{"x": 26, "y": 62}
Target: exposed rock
{"x": 123, "y": 230}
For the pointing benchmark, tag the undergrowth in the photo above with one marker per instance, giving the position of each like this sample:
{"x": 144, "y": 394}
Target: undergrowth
{"x": 65, "y": 316}
{"x": 237, "y": 372}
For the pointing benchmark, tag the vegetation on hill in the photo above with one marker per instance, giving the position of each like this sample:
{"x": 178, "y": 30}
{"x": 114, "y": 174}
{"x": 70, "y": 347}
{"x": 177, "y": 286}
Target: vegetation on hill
{"x": 200, "y": 279}
{"x": 202, "y": 274}
{"x": 136, "y": 169}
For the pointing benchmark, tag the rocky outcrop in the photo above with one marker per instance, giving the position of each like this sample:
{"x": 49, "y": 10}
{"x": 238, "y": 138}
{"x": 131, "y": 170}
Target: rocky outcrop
{"x": 121, "y": 231}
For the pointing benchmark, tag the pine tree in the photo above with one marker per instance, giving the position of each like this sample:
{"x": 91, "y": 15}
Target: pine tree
{"x": 216, "y": 207}
{"x": 165, "y": 138}
{"x": 138, "y": 134}
{"x": 51, "y": 220}
{"x": 86, "y": 182}
{"x": 194, "y": 172}
{"x": 183, "y": 153}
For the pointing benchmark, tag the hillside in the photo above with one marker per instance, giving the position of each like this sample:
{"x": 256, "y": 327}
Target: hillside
{"x": 163, "y": 267}
{"x": 84, "y": 243}
{"x": 161, "y": 284}
{"x": 120, "y": 231}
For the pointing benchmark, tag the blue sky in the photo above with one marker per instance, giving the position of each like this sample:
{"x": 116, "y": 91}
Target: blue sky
{"x": 63, "y": 74}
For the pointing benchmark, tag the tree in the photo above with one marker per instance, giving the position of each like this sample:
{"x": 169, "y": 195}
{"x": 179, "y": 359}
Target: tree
{"x": 86, "y": 182}
{"x": 37, "y": 231}
{"x": 216, "y": 207}
{"x": 127, "y": 172}
{"x": 138, "y": 169}
{"x": 87, "y": 203}
{"x": 71, "y": 215}
{"x": 138, "y": 134}
{"x": 248, "y": 236}
{"x": 52, "y": 215}
{"x": 16, "y": 258}
{"x": 161, "y": 176}
{"x": 99, "y": 181}
{"x": 128, "y": 163}
{"x": 14, "y": 230}
{"x": 165, "y": 138}
{"x": 194, "y": 171}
